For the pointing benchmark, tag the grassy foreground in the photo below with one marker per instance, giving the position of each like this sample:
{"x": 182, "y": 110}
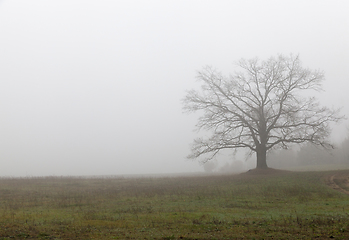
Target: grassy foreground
{"x": 280, "y": 206}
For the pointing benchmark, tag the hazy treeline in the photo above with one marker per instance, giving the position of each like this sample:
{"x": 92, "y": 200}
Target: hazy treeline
{"x": 309, "y": 155}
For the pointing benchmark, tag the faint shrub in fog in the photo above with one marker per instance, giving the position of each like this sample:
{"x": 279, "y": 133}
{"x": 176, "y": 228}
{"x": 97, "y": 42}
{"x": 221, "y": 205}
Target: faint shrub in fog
{"x": 228, "y": 167}
{"x": 209, "y": 167}
{"x": 233, "y": 167}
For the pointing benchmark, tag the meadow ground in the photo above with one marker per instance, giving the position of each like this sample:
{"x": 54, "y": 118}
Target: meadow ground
{"x": 253, "y": 205}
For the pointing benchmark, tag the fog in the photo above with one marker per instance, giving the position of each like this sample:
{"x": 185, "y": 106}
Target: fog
{"x": 95, "y": 87}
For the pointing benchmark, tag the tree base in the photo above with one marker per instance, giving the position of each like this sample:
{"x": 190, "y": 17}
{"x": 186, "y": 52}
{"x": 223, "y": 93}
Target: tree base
{"x": 265, "y": 171}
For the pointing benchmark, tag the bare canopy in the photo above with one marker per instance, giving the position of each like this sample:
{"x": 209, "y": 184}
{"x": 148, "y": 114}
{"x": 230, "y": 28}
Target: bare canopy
{"x": 259, "y": 108}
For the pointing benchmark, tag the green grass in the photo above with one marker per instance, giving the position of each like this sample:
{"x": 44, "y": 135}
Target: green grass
{"x": 292, "y": 205}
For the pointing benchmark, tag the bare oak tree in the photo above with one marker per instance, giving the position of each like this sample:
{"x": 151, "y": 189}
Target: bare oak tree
{"x": 260, "y": 108}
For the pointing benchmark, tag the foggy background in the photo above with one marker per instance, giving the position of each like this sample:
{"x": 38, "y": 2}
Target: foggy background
{"x": 95, "y": 87}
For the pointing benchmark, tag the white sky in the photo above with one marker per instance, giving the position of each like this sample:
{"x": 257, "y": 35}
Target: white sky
{"x": 95, "y": 87}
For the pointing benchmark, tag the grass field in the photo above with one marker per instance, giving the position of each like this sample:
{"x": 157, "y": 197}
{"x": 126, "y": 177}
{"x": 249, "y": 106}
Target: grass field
{"x": 287, "y": 205}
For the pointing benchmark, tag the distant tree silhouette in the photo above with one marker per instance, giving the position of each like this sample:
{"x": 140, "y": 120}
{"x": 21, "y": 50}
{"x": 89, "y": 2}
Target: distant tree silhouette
{"x": 282, "y": 158}
{"x": 310, "y": 154}
{"x": 343, "y": 151}
{"x": 259, "y": 108}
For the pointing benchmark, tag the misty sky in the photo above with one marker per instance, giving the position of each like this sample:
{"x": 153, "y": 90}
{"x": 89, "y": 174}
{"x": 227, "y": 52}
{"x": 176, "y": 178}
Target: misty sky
{"x": 95, "y": 87}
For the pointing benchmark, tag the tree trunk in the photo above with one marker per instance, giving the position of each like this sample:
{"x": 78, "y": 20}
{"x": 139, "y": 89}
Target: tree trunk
{"x": 262, "y": 158}
{"x": 262, "y": 145}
